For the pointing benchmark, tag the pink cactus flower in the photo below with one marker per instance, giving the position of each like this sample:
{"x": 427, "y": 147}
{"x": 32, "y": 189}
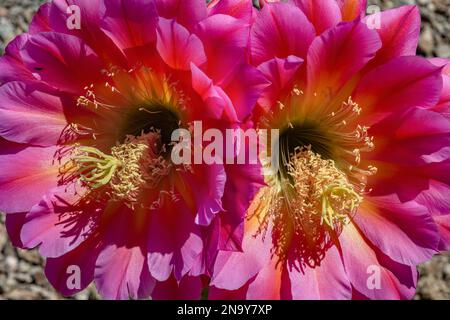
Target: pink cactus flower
{"x": 88, "y": 102}
{"x": 362, "y": 192}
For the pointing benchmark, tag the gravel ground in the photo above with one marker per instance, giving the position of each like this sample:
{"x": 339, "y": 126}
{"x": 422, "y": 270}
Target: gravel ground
{"x": 21, "y": 273}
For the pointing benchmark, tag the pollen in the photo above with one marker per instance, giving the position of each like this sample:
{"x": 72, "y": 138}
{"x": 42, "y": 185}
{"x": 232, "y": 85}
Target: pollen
{"x": 132, "y": 167}
{"x": 320, "y": 188}
{"x": 144, "y": 167}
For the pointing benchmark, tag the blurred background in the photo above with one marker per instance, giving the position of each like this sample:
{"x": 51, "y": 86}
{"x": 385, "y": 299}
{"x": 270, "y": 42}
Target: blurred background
{"x": 21, "y": 272}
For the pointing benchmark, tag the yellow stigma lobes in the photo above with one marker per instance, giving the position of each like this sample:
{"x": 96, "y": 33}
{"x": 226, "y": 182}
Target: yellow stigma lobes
{"x": 95, "y": 168}
{"x": 132, "y": 167}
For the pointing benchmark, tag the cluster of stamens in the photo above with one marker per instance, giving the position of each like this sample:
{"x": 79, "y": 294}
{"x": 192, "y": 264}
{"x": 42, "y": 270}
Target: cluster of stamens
{"x": 321, "y": 184}
{"x": 131, "y": 168}
{"x": 137, "y": 100}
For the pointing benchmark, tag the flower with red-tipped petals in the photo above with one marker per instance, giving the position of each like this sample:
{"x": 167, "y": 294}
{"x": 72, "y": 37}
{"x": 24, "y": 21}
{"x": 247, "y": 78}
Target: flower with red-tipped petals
{"x": 89, "y": 100}
{"x": 361, "y": 193}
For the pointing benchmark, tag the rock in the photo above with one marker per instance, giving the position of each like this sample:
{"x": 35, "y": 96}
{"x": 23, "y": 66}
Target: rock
{"x": 443, "y": 50}
{"x": 11, "y": 263}
{"x": 6, "y": 30}
{"x": 426, "y": 42}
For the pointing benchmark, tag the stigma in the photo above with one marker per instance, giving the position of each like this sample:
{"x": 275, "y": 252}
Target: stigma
{"x": 127, "y": 172}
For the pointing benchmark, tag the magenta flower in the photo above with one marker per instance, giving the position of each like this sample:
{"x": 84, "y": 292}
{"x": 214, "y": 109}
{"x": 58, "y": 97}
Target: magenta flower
{"x": 361, "y": 194}
{"x": 88, "y": 106}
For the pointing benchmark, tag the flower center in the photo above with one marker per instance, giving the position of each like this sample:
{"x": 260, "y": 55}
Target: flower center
{"x": 319, "y": 188}
{"x": 133, "y": 167}
{"x": 321, "y": 179}
{"x": 129, "y": 154}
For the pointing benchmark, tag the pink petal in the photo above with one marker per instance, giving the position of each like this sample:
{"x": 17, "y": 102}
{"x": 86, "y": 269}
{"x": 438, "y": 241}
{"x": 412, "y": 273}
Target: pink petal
{"x": 280, "y": 73}
{"x": 121, "y": 270}
{"x": 245, "y": 89}
{"x": 407, "y": 82}
{"x": 14, "y": 223}
{"x": 26, "y": 175}
{"x": 233, "y": 269}
{"x": 11, "y": 63}
{"x": 437, "y": 200}
{"x": 130, "y": 23}
{"x": 235, "y": 8}
{"x": 57, "y": 224}
{"x": 186, "y": 13}
{"x": 177, "y": 47}
{"x": 62, "y": 272}
{"x": 208, "y": 192}
{"x": 216, "y": 100}
{"x": 418, "y": 136}
{"x": 243, "y": 183}
{"x": 220, "y": 294}
{"x": 399, "y": 31}
{"x": 365, "y": 264}
{"x": 267, "y": 285}
{"x": 91, "y": 16}
{"x": 40, "y": 22}
{"x": 225, "y": 40}
{"x": 328, "y": 281}
{"x": 53, "y": 56}
{"x": 122, "y": 273}
{"x": 409, "y": 233}
{"x": 173, "y": 241}
{"x": 337, "y": 55}
{"x": 323, "y": 14}
{"x": 272, "y": 33}
{"x": 24, "y": 106}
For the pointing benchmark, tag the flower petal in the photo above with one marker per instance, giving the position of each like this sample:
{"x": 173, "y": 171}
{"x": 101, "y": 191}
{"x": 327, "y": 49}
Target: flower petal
{"x": 130, "y": 23}
{"x": 177, "y": 47}
{"x": 280, "y": 72}
{"x": 174, "y": 241}
{"x": 323, "y": 14}
{"x": 337, "y": 55}
{"x": 233, "y": 269}
{"x": 410, "y": 235}
{"x": 399, "y": 31}
{"x": 52, "y": 56}
{"x": 407, "y": 82}
{"x": 437, "y": 199}
{"x": 30, "y": 105}
{"x": 40, "y": 22}
{"x": 216, "y": 100}
{"x": 328, "y": 281}
{"x": 57, "y": 224}
{"x": 272, "y": 33}
{"x": 74, "y": 271}
{"x": 14, "y": 223}
{"x": 225, "y": 40}
{"x": 26, "y": 175}
{"x": 11, "y": 64}
{"x": 373, "y": 274}
{"x": 235, "y": 8}
{"x": 121, "y": 270}
{"x": 186, "y": 13}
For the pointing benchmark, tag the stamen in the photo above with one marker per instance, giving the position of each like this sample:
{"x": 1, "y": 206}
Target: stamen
{"x": 133, "y": 167}
{"x": 144, "y": 169}
{"x": 322, "y": 187}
